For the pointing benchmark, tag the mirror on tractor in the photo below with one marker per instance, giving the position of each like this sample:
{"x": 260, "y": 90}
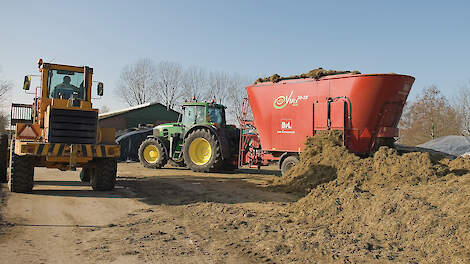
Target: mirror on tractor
{"x": 27, "y": 83}
{"x": 100, "y": 88}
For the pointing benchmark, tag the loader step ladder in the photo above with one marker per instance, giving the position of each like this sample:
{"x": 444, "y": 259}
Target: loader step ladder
{"x": 21, "y": 113}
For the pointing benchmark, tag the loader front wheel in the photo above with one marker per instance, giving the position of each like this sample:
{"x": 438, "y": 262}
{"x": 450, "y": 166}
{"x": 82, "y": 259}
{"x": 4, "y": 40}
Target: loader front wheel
{"x": 152, "y": 154}
{"x": 3, "y": 158}
{"x": 21, "y": 174}
{"x": 201, "y": 151}
{"x": 103, "y": 177}
{"x": 85, "y": 174}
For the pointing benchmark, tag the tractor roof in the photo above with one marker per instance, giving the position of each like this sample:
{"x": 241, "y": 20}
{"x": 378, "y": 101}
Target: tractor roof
{"x": 203, "y": 104}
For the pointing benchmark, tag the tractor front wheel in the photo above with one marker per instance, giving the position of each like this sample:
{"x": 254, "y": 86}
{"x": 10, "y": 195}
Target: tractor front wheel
{"x": 201, "y": 151}
{"x": 103, "y": 177}
{"x": 21, "y": 174}
{"x": 152, "y": 154}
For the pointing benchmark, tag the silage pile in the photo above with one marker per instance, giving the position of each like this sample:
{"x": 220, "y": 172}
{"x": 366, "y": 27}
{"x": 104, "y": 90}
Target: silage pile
{"x": 315, "y": 74}
{"x": 410, "y": 207}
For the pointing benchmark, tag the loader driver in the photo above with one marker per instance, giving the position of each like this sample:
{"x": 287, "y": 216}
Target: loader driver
{"x": 65, "y": 89}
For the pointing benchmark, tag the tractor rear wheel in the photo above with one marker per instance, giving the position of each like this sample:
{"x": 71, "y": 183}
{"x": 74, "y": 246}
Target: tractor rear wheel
{"x": 85, "y": 174}
{"x": 103, "y": 177}
{"x": 288, "y": 163}
{"x": 152, "y": 154}
{"x": 201, "y": 151}
{"x": 3, "y": 158}
{"x": 21, "y": 174}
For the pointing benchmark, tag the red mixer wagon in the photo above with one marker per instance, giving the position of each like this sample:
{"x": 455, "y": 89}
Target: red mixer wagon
{"x": 366, "y": 107}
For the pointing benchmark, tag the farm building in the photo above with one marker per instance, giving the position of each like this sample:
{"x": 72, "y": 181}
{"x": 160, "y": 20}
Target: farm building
{"x": 149, "y": 113}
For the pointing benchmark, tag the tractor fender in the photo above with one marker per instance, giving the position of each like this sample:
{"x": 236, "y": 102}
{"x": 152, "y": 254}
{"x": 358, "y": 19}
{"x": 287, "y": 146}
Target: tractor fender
{"x": 224, "y": 145}
{"x": 285, "y": 155}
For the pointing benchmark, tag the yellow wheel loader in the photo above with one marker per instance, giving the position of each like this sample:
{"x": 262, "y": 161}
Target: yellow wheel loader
{"x": 59, "y": 130}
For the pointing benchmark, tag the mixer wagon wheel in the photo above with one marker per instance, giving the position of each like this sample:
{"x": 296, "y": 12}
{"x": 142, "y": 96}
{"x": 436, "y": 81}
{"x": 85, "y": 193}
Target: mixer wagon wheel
{"x": 3, "y": 157}
{"x": 201, "y": 151}
{"x": 103, "y": 177}
{"x": 85, "y": 174}
{"x": 288, "y": 163}
{"x": 380, "y": 142}
{"x": 21, "y": 174}
{"x": 152, "y": 154}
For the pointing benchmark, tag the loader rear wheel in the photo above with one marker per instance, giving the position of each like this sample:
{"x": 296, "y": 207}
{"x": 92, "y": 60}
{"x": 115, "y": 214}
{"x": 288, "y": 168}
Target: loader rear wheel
{"x": 152, "y": 154}
{"x": 103, "y": 177}
{"x": 21, "y": 174}
{"x": 201, "y": 151}
{"x": 3, "y": 158}
{"x": 288, "y": 163}
{"x": 85, "y": 174}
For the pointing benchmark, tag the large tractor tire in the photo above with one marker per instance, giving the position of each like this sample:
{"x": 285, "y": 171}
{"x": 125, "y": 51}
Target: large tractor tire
{"x": 201, "y": 151}
{"x": 288, "y": 163}
{"x": 85, "y": 174}
{"x": 21, "y": 174}
{"x": 103, "y": 177}
{"x": 3, "y": 158}
{"x": 152, "y": 154}
{"x": 233, "y": 141}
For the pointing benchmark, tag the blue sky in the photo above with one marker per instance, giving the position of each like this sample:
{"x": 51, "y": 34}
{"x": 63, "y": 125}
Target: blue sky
{"x": 427, "y": 39}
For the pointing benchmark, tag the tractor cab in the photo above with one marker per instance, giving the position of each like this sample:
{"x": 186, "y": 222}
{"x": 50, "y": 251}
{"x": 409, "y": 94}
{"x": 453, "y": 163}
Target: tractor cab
{"x": 203, "y": 113}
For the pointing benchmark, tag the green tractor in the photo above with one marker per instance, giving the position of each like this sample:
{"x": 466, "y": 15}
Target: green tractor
{"x": 201, "y": 140}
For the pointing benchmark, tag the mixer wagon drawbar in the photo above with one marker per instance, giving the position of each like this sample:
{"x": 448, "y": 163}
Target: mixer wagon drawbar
{"x": 365, "y": 107}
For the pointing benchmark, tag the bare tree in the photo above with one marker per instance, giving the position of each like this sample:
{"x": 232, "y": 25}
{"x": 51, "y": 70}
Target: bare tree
{"x": 429, "y": 117}
{"x": 5, "y": 87}
{"x": 137, "y": 83}
{"x": 195, "y": 83}
{"x": 462, "y": 105}
{"x": 169, "y": 82}
{"x": 218, "y": 87}
{"x": 236, "y": 95}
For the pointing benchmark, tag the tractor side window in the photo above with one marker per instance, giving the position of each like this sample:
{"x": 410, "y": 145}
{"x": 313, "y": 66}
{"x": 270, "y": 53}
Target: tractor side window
{"x": 215, "y": 115}
{"x": 194, "y": 115}
{"x": 65, "y": 84}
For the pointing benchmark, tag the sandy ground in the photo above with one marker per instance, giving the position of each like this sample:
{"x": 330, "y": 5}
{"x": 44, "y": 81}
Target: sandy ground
{"x": 385, "y": 209}
{"x": 153, "y": 216}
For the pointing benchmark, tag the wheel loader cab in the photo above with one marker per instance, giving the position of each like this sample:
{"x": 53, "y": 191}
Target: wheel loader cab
{"x": 66, "y": 85}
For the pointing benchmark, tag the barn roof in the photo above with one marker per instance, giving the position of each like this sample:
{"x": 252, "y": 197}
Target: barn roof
{"x": 130, "y": 109}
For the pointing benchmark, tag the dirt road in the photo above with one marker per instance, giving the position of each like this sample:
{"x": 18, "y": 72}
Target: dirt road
{"x": 165, "y": 216}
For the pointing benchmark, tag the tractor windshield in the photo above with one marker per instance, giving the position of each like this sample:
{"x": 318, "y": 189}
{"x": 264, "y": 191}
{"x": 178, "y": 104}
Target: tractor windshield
{"x": 216, "y": 115}
{"x": 194, "y": 114}
{"x": 65, "y": 84}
